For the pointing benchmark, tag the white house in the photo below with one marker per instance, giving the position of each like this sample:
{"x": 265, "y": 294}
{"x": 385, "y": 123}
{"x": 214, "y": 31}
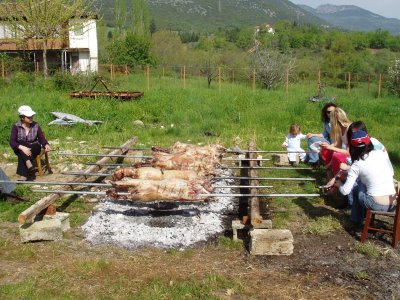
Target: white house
{"x": 77, "y": 52}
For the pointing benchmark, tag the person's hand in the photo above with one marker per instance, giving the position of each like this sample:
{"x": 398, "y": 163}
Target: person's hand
{"x": 325, "y": 145}
{"x": 338, "y": 183}
{"x": 27, "y": 151}
{"x": 309, "y": 135}
{"x": 283, "y": 145}
{"x": 47, "y": 148}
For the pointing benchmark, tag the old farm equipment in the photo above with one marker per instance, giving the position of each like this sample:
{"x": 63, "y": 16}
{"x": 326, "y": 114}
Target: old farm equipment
{"x": 122, "y": 95}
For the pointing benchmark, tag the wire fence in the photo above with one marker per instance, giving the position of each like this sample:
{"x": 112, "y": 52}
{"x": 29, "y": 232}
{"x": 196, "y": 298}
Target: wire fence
{"x": 214, "y": 74}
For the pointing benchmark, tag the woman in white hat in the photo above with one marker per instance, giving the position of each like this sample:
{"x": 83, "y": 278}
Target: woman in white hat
{"x": 27, "y": 140}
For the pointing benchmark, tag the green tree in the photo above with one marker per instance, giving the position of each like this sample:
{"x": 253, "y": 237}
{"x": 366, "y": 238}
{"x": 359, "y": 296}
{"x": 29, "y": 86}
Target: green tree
{"x": 140, "y": 18}
{"x": 133, "y": 50}
{"x": 44, "y": 20}
{"x": 120, "y": 16}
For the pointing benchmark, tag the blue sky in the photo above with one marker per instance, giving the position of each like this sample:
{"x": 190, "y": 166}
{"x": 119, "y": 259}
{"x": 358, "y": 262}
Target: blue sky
{"x": 386, "y": 8}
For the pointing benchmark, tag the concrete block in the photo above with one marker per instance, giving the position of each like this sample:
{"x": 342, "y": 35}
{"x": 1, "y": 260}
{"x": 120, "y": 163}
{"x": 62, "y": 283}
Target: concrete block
{"x": 271, "y": 242}
{"x": 237, "y": 225}
{"x": 47, "y": 230}
{"x": 63, "y": 217}
{"x": 283, "y": 160}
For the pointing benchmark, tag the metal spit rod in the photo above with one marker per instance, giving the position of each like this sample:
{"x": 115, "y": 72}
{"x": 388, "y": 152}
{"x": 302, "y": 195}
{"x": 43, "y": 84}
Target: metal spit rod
{"x": 149, "y": 156}
{"x": 58, "y": 183}
{"x": 263, "y": 178}
{"x": 110, "y": 185}
{"x": 214, "y": 178}
{"x": 200, "y": 195}
{"x": 224, "y": 167}
{"x": 239, "y": 151}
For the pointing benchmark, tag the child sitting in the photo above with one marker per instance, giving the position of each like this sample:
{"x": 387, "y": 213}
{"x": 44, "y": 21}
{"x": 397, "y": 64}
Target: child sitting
{"x": 292, "y": 142}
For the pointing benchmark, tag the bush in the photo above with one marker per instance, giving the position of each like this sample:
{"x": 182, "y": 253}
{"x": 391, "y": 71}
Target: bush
{"x": 394, "y": 78}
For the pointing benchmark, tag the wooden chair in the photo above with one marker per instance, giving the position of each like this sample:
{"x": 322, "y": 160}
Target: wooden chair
{"x": 46, "y": 166}
{"x": 395, "y": 231}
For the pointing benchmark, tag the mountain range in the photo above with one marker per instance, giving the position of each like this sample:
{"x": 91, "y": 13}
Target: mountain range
{"x": 354, "y": 18}
{"x": 209, "y": 15}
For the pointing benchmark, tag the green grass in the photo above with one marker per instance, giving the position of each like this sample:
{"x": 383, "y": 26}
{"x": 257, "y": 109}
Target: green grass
{"x": 170, "y": 113}
{"x": 322, "y": 225}
{"x": 368, "y": 249}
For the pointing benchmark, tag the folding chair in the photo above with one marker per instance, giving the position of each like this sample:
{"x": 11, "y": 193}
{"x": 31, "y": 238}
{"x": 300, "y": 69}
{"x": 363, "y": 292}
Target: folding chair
{"x": 46, "y": 166}
{"x": 370, "y": 217}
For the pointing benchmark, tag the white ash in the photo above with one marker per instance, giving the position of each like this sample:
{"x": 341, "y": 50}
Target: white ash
{"x": 178, "y": 225}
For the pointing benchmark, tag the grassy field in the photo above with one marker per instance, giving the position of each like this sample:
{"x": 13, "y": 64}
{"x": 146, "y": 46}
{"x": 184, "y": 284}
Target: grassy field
{"x": 230, "y": 116}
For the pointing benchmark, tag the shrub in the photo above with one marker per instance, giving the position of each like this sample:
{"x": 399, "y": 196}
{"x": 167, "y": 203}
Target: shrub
{"x": 394, "y": 78}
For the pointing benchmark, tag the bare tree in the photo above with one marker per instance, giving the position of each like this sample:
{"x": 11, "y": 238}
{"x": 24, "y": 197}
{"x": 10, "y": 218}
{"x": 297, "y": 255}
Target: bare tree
{"x": 271, "y": 65}
{"x": 43, "y": 21}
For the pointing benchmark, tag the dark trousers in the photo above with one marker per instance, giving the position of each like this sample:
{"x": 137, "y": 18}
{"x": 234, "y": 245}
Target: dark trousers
{"x": 22, "y": 170}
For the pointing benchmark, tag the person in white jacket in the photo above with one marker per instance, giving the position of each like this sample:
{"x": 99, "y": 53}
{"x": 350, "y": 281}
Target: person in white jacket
{"x": 374, "y": 176}
{"x": 293, "y": 144}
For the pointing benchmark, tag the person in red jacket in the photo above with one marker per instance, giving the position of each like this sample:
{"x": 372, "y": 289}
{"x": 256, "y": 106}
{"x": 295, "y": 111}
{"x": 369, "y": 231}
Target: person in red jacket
{"x": 27, "y": 140}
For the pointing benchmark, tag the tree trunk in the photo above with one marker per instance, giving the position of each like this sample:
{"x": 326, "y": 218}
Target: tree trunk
{"x": 45, "y": 58}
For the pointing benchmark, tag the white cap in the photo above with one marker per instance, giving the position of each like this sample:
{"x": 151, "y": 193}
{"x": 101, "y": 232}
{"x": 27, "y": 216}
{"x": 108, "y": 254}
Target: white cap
{"x": 26, "y": 111}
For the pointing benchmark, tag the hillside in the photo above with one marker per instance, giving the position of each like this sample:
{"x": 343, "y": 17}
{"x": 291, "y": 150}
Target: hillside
{"x": 350, "y": 17}
{"x": 208, "y": 15}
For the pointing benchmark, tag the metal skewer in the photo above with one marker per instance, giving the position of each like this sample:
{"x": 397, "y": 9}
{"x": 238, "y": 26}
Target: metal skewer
{"x": 200, "y": 195}
{"x": 94, "y": 184}
{"x": 263, "y": 178}
{"x": 239, "y": 151}
{"x": 58, "y": 183}
{"x": 149, "y": 156}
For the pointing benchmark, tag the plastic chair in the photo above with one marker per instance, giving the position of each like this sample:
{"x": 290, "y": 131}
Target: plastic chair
{"x": 394, "y": 231}
{"x": 46, "y": 167}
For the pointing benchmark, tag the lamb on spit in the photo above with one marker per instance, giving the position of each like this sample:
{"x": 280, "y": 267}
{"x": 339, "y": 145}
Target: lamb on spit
{"x": 201, "y": 159}
{"x": 153, "y": 173}
{"x": 153, "y": 190}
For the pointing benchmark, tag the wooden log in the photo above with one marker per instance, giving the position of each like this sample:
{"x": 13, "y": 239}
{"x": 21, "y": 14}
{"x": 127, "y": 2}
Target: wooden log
{"x": 43, "y": 203}
{"x": 256, "y": 218}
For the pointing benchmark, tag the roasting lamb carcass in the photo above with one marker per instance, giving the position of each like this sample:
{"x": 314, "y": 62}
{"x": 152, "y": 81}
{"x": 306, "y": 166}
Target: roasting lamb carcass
{"x": 153, "y": 173}
{"x": 209, "y": 150}
{"x": 202, "y": 164}
{"x": 154, "y": 190}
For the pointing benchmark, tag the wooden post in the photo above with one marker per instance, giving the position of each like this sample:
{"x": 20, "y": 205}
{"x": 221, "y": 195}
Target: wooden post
{"x": 255, "y": 215}
{"x": 349, "y": 84}
{"x": 319, "y": 82}
{"x": 379, "y": 85}
{"x": 254, "y": 79}
{"x": 111, "y": 71}
{"x": 369, "y": 82}
{"x": 287, "y": 81}
{"x": 126, "y": 69}
{"x": 219, "y": 79}
{"x": 148, "y": 77}
{"x": 184, "y": 77}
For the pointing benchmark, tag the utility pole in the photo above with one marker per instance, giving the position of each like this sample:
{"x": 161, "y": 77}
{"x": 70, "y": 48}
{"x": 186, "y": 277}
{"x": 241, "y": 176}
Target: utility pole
{"x": 219, "y": 6}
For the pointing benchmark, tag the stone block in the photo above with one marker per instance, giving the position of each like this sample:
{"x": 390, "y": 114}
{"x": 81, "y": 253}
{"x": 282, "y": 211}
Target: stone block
{"x": 271, "y": 242}
{"x": 237, "y": 225}
{"x": 63, "y": 217}
{"x": 283, "y": 160}
{"x": 46, "y": 230}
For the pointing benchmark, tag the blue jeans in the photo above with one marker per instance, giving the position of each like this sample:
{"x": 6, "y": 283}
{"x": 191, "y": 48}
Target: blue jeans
{"x": 362, "y": 201}
{"x": 313, "y": 157}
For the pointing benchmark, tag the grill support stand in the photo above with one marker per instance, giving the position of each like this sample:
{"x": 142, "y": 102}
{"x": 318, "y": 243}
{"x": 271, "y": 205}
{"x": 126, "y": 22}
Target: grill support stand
{"x": 44, "y": 203}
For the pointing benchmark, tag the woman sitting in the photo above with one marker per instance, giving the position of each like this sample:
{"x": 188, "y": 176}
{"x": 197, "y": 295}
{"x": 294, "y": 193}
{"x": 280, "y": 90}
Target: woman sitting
{"x": 27, "y": 140}
{"x": 336, "y": 153}
{"x": 374, "y": 177}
